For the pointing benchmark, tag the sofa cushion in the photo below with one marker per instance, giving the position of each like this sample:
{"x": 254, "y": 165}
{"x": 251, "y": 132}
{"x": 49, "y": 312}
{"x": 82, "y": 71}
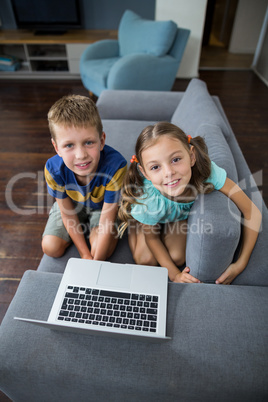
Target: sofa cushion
{"x": 138, "y": 35}
{"x": 212, "y": 332}
{"x": 256, "y": 272}
{"x": 213, "y": 236}
{"x": 214, "y": 221}
{"x": 197, "y": 108}
{"x": 137, "y": 105}
{"x": 218, "y": 149}
{"x": 122, "y": 134}
{"x": 121, "y": 255}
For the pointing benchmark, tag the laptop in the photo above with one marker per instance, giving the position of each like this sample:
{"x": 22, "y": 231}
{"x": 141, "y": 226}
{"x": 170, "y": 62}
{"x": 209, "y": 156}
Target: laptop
{"x": 104, "y": 298}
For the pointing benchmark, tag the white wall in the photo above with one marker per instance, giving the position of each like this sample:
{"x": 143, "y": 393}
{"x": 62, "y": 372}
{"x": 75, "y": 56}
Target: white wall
{"x": 247, "y": 26}
{"x": 187, "y": 14}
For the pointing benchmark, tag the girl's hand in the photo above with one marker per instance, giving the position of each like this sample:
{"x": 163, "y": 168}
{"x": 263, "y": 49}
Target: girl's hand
{"x": 228, "y": 275}
{"x": 185, "y": 277}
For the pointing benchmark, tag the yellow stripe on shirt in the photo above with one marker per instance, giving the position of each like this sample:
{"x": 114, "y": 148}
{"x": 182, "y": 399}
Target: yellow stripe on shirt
{"x": 116, "y": 182}
{"x": 97, "y": 195}
{"x": 51, "y": 182}
{"x": 76, "y": 196}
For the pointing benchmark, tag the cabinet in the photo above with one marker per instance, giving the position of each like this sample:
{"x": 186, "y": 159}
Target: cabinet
{"x": 74, "y": 52}
{"x": 53, "y": 57}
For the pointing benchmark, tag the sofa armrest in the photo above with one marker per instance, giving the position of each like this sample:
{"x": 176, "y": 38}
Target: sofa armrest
{"x": 101, "y": 50}
{"x": 138, "y": 105}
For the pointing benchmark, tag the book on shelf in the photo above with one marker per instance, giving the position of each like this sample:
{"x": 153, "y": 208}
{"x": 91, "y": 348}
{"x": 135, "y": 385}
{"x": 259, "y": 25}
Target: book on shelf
{"x": 8, "y": 60}
{"x": 9, "y": 63}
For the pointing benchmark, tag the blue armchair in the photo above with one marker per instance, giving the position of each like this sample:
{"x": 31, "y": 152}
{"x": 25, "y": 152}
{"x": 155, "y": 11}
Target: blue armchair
{"x": 146, "y": 56}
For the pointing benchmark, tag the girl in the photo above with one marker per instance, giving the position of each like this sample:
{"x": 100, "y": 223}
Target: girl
{"x": 167, "y": 173}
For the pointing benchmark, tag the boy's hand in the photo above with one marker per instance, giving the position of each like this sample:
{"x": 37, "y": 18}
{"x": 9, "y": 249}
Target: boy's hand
{"x": 87, "y": 256}
{"x": 185, "y": 277}
{"x": 103, "y": 238}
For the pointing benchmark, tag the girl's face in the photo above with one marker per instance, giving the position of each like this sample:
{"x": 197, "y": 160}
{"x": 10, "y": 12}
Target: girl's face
{"x": 168, "y": 165}
{"x": 80, "y": 149}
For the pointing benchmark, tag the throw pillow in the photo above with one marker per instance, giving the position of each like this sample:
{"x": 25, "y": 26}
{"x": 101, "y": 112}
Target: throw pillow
{"x": 138, "y": 35}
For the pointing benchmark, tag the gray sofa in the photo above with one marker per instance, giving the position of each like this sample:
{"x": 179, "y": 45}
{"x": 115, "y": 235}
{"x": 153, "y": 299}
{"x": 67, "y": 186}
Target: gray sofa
{"x": 219, "y": 333}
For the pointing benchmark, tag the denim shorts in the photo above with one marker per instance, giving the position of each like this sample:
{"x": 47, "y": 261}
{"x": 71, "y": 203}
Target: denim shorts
{"x": 88, "y": 217}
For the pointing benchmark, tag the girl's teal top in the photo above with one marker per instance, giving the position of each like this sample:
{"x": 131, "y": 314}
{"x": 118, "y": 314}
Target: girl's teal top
{"x": 154, "y": 207}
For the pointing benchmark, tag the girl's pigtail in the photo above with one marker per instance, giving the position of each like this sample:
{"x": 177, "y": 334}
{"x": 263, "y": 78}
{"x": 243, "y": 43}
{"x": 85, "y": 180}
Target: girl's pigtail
{"x": 131, "y": 190}
{"x": 202, "y": 167}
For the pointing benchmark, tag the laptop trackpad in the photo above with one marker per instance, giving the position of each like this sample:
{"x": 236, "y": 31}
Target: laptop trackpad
{"x": 118, "y": 276}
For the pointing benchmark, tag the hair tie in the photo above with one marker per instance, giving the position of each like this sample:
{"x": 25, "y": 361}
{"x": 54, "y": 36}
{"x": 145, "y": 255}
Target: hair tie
{"x": 189, "y": 138}
{"x": 134, "y": 159}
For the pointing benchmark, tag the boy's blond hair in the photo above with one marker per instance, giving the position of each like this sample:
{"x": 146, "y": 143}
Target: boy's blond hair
{"x": 74, "y": 110}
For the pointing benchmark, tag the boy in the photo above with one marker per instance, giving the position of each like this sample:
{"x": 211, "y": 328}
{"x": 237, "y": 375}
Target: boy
{"x": 85, "y": 177}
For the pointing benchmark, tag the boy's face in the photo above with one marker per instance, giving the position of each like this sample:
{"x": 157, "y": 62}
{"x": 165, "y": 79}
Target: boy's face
{"x": 80, "y": 149}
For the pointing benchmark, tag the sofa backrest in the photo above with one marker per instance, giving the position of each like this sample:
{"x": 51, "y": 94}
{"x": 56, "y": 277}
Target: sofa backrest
{"x": 196, "y": 115}
{"x": 138, "y": 35}
{"x": 197, "y": 108}
{"x": 214, "y": 224}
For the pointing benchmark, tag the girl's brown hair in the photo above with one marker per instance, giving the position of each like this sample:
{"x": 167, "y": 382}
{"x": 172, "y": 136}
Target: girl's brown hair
{"x": 132, "y": 188}
{"x": 74, "y": 110}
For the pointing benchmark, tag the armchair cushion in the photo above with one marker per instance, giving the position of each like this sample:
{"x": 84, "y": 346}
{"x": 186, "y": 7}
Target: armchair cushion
{"x": 100, "y": 69}
{"x": 142, "y": 71}
{"x": 137, "y": 35}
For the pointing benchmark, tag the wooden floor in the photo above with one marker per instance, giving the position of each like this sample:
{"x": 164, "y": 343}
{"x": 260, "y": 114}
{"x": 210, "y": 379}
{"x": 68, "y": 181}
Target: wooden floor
{"x": 216, "y": 57}
{"x": 25, "y": 147}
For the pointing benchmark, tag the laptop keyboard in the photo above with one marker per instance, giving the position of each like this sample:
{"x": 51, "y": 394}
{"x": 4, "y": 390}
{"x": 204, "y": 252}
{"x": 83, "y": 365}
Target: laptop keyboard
{"x": 131, "y": 311}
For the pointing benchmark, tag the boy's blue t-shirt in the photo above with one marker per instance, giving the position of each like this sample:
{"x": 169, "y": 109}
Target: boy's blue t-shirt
{"x": 104, "y": 187}
{"x": 155, "y": 208}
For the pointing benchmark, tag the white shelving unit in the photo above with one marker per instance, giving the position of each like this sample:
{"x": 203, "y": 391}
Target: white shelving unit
{"x": 51, "y": 57}
{"x": 60, "y": 60}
